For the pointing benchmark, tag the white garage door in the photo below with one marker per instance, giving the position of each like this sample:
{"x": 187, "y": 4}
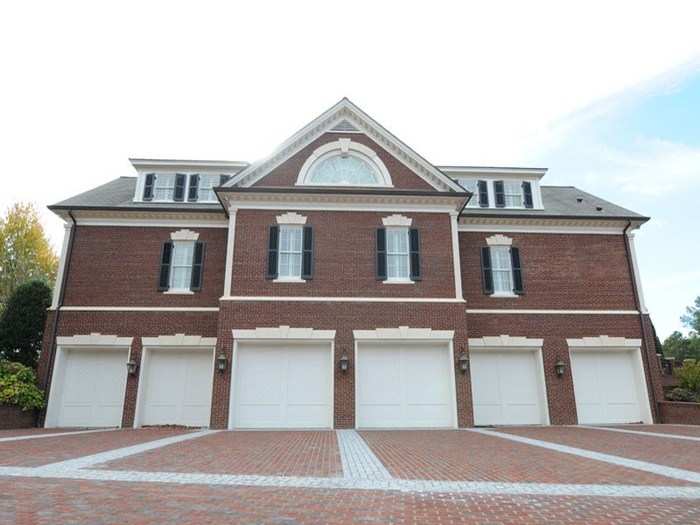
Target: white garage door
{"x": 177, "y": 387}
{"x": 404, "y": 386}
{"x": 90, "y": 388}
{"x": 507, "y": 388}
{"x": 609, "y": 387}
{"x": 282, "y": 386}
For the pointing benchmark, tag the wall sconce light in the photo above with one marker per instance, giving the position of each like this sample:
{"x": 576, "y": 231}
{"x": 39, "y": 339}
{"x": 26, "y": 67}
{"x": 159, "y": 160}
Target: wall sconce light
{"x": 131, "y": 367}
{"x": 344, "y": 363}
{"x": 221, "y": 362}
{"x": 463, "y": 361}
{"x": 559, "y": 367}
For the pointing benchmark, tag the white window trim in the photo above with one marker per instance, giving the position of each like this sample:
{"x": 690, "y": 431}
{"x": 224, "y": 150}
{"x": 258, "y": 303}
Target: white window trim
{"x": 291, "y": 218}
{"x": 188, "y": 177}
{"x": 187, "y": 239}
{"x": 397, "y": 220}
{"x": 399, "y": 280}
{"x": 345, "y": 145}
{"x": 501, "y": 241}
{"x": 290, "y": 278}
{"x": 283, "y": 332}
{"x": 184, "y": 235}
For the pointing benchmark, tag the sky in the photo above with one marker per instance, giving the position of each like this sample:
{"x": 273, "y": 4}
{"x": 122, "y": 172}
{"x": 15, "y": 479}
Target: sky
{"x": 604, "y": 94}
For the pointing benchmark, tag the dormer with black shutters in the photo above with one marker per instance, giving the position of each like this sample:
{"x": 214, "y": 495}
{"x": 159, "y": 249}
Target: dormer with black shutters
{"x": 398, "y": 251}
{"x": 181, "y": 263}
{"x": 163, "y": 181}
{"x": 501, "y": 268}
{"x": 506, "y": 188}
{"x": 290, "y": 254}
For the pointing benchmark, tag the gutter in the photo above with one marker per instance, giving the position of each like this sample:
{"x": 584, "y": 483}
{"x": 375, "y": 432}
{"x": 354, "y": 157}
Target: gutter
{"x": 61, "y": 294}
{"x": 641, "y": 315}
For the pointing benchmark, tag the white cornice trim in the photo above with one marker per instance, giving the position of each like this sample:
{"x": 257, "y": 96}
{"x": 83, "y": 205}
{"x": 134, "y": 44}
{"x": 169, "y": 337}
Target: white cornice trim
{"x": 499, "y": 240}
{"x": 604, "y": 341}
{"x": 94, "y": 339}
{"x": 319, "y": 299}
{"x": 179, "y": 340}
{"x": 141, "y": 223}
{"x": 346, "y": 110}
{"x": 140, "y": 308}
{"x": 504, "y": 341}
{"x": 403, "y": 332}
{"x": 492, "y": 311}
{"x": 146, "y": 164}
{"x": 291, "y": 218}
{"x": 503, "y": 224}
{"x": 493, "y": 170}
{"x": 284, "y": 332}
{"x": 184, "y": 235}
{"x": 397, "y": 220}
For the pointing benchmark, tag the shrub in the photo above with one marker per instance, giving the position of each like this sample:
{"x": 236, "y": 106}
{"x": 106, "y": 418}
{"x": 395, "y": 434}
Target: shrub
{"x": 689, "y": 376}
{"x": 18, "y": 386}
{"x": 681, "y": 394}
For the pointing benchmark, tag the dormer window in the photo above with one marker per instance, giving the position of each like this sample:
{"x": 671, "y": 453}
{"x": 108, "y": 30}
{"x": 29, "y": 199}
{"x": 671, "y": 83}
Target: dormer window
{"x": 344, "y": 163}
{"x": 181, "y": 187}
{"x": 164, "y": 188}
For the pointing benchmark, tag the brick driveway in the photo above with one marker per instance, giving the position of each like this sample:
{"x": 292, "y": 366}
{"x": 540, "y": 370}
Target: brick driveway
{"x": 556, "y": 475}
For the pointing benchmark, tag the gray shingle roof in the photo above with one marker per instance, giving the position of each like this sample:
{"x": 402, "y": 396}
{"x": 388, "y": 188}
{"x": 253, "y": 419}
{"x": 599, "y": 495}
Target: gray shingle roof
{"x": 559, "y": 201}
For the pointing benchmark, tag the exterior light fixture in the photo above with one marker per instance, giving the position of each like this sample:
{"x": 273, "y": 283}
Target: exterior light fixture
{"x": 344, "y": 363}
{"x": 221, "y": 362}
{"x": 463, "y": 362}
{"x": 131, "y": 367}
{"x": 559, "y": 367}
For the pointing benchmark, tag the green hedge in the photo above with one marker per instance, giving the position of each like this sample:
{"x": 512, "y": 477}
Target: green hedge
{"x": 18, "y": 386}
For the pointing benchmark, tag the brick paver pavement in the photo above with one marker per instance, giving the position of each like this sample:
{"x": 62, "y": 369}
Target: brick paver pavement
{"x": 36, "y": 452}
{"x": 659, "y": 450}
{"x": 47, "y": 502}
{"x": 462, "y": 455}
{"x": 291, "y": 453}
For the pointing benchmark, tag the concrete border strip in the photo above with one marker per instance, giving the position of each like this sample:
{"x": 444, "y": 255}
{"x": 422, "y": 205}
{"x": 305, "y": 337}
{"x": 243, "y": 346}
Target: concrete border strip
{"x": 56, "y": 434}
{"x": 359, "y": 462}
{"x": 642, "y": 433}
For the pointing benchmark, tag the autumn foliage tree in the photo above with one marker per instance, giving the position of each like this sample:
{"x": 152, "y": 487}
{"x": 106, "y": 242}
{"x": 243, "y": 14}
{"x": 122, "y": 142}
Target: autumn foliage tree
{"x": 25, "y": 252}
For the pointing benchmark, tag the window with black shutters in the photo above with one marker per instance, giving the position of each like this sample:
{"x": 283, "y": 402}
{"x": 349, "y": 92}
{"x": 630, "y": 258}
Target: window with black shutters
{"x": 501, "y": 271}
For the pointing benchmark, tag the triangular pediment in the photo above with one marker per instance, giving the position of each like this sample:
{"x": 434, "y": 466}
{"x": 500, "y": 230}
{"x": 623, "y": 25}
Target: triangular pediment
{"x": 346, "y": 117}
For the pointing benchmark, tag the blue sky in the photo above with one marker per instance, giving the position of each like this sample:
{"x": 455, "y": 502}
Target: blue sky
{"x": 641, "y": 149}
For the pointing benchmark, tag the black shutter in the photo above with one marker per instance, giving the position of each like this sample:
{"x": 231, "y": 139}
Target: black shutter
{"x": 381, "y": 254}
{"x": 148, "y": 187}
{"x": 197, "y": 266}
{"x": 193, "y": 192}
{"x": 272, "y": 248}
{"x": 223, "y": 179}
{"x": 414, "y": 247}
{"x": 517, "y": 271}
{"x": 180, "y": 181}
{"x": 165, "y": 257}
{"x": 486, "y": 273}
{"x": 483, "y": 188}
{"x": 500, "y": 193}
{"x": 527, "y": 194}
{"x": 307, "y": 260}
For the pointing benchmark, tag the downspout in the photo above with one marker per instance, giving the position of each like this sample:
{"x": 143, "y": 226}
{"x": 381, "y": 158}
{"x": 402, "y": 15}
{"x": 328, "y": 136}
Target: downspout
{"x": 641, "y": 314}
{"x": 61, "y": 293}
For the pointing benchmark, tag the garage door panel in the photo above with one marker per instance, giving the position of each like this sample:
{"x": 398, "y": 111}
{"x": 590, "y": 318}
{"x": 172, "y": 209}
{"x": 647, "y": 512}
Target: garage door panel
{"x": 259, "y": 376}
{"x": 404, "y": 386}
{"x": 310, "y": 382}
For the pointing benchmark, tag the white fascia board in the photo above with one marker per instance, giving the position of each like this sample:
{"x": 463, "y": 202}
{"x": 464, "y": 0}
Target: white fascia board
{"x": 403, "y": 333}
{"x": 505, "y": 341}
{"x": 180, "y": 340}
{"x": 139, "y": 308}
{"x": 94, "y": 339}
{"x": 146, "y": 164}
{"x": 326, "y": 299}
{"x": 493, "y": 171}
{"x": 514, "y": 311}
{"x": 556, "y": 227}
{"x": 284, "y": 332}
{"x": 604, "y": 342}
{"x": 155, "y": 223}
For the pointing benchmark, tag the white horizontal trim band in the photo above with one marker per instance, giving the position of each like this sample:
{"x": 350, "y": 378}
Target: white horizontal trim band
{"x": 157, "y": 223}
{"x": 343, "y": 299}
{"x": 499, "y": 228}
{"x": 140, "y": 308}
{"x": 547, "y": 312}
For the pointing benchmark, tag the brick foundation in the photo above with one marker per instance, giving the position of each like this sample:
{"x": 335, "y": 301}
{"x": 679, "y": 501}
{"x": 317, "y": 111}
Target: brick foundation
{"x": 676, "y": 412}
{"x": 14, "y": 417}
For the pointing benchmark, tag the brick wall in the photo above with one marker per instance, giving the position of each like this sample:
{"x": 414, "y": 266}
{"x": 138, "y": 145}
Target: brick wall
{"x": 584, "y": 272}
{"x": 286, "y": 174}
{"x": 344, "y": 256}
{"x": 675, "y": 412}
{"x": 120, "y": 266}
{"x": 15, "y": 417}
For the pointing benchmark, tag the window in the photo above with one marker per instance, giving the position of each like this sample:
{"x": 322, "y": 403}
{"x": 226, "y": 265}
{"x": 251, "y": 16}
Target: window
{"x": 513, "y": 191}
{"x": 472, "y": 186}
{"x": 343, "y": 170}
{"x": 164, "y": 187}
{"x": 290, "y": 252}
{"x": 502, "y": 270}
{"x": 207, "y": 183}
{"x": 397, "y": 254}
{"x": 181, "y": 268}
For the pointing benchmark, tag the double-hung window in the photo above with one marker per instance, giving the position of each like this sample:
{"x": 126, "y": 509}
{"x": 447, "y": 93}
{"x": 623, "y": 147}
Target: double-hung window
{"x": 472, "y": 186}
{"x": 513, "y": 191}
{"x": 164, "y": 188}
{"x": 290, "y": 252}
{"x": 502, "y": 270}
{"x": 207, "y": 183}
{"x": 181, "y": 266}
{"x": 397, "y": 254}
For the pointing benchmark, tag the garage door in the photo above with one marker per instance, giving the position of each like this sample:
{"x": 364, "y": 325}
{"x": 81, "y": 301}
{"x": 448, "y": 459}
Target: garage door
{"x": 507, "y": 388}
{"x": 609, "y": 386}
{"x": 404, "y": 386}
{"x": 91, "y": 388}
{"x": 283, "y": 386}
{"x": 177, "y": 387}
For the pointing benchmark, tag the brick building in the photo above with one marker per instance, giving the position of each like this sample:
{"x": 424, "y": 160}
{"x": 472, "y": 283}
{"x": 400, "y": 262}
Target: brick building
{"x": 344, "y": 281}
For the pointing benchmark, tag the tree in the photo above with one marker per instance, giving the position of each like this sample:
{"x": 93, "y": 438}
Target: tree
{"x": 22, "y": 323}
{"x": 691, "y": 319}
{"x": 681, "y": 347}
{"x": 25, "y": 252}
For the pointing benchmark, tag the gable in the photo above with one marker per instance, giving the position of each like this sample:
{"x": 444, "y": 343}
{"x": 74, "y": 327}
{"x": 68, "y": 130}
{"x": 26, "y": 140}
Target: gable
{"x": 286, "y": 174}
{"x": 346, "y": 120}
